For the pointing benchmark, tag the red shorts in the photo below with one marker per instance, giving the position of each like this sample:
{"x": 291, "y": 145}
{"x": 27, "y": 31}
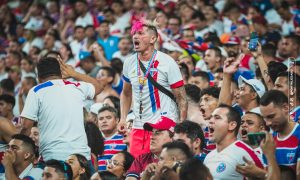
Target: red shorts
{"x": 139, "y": 142}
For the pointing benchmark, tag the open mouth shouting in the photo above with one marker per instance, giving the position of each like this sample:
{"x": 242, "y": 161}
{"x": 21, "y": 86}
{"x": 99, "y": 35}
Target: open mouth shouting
{"x": 244, "y": 134}
{"x": 136, "y": 44}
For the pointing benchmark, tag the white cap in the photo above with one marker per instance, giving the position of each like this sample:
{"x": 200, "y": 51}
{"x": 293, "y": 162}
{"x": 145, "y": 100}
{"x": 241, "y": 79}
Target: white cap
{"x": 96, "y": 107}
{"x": 38, "y": 42}
{"x": 257, "y": 85}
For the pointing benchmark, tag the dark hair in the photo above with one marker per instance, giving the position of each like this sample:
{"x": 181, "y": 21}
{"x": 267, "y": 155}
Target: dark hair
{"x": 269, "y": 50}
{"x": 116, "y": 101}
{"x": 192, "y": 92}
{"x": 274, "y": 68}
{"x": 53, "y": 54}
{"x": 220, "y": 70}
{"x": 217, "y": 51}
{"x": 84, "y": 163}
{"x": 260, "y": 118}
{"x": 179, "y": 145}
{"x": 128, "y": 159}
{"x": 204, "y": 75}
{"x": 48, "y": 66}
{"x": 61, "y": 167}
{"x": 287, "y": 173}
{"x": 276, "y": 97}
{"x": 117, "y": 65}
{"x": 110, "y": 109}
{"x": 232, "y": 115}
{"x": 192, "y": 131}
{"x": 184, "y": 69}
{"x": 198, "y": 15}
{"x": 293, "y": 37}
{"x": 229, "y": 7}
{"x": 110, "y": 72}
{"x": 27, "y": 141}
{"x": 211, "y": 91}
{"x": 31, "y": 80}
{"x": 176, "y": 17}
{"x": 8, "y": 99}
{"x": 95, "y": 138}
{"x": 16, "y": 55}
{"x": 295, "y": 83}
{"x": 50, "y": 20}
{"x": 7, "y": 85}
{"x": 108, "y": 9}
{"x": 106, "y": 175}
{"x": 78, "y": 27}
{"x": 194, "y": 168}
{"x": 68, "y": 47}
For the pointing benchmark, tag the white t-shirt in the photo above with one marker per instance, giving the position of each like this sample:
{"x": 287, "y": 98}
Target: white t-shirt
{"x": 31, "y": 173}
{"x": 222, "y": 164}
{"x": 120, "y": 56}
{"x": 84, "y": 21}
{"x": 155, "y": 103}
{"x": 57, "y": 106}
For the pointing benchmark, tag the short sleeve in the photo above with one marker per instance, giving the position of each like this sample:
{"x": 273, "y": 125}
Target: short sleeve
{"x": 125, "y": 75}
{"x": 174, "y": 75}
{"x": 31, "y": 107}
{"x": 88, "y": 90}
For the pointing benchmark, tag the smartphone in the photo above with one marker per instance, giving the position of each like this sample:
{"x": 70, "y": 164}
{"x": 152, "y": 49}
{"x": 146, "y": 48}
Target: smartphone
{"x": 256, "y": 138}
{"x": 253, "y": 41}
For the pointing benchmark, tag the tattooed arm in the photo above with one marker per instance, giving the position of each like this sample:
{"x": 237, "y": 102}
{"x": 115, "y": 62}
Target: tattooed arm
{"x": 180, "y": 96}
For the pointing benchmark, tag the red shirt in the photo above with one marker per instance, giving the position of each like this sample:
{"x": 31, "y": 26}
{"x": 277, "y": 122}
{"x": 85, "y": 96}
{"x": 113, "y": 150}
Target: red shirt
{"x": 139, "y": 165}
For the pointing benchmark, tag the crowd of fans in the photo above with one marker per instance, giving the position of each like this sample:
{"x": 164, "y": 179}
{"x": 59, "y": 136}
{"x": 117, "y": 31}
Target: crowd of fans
{"x": 69, "y": 110}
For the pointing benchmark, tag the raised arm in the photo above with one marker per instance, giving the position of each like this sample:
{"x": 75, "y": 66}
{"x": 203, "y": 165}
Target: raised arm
{"x": 181, "y": 100}
{"x": 68, "y": 72}
{"x": 230, "y": 67}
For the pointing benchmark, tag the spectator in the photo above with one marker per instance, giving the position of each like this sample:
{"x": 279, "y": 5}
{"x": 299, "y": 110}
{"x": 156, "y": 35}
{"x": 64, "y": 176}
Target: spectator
{"x": 107, "y": 41}
{"x": 194, "y": 168}
{"x": 201, "y": 79}
{"x": 79, "y": 42}
{"x": 162, "y": 132}
{"x": 224, "y": 126}
{"x": 7, "y": 104}
{"x": 55, "y": 169}
{"x": 113, "y": 141}
{"x": 7, "y": 87}
{"x": 84, "y": 16}
{"x": 35, "y": 135}
{"x": 290, "y": 48}
{"x": 80, "y": 167}
{"x": 213, "y": 59}
{"x": 124, "y": 51}
{"x": 114, "y": 102}
{"x": 40, "y": 99}
{"x": 120, "y": 163}
{"x": 95, "y": 142}
{"x": 149, "y": 105}
{"x": 13, "y": 58}
{"x": 26, "y": 84}
{"x": 193, "y": 97}
{"x": 107, "y": 75}
{"x": 88, "y": 63}
{"x": 67, "y": 54}
{"x": 191, "y": 134}
{"x": 18, "y": 159}
{"x": 275, "y": 108}
{"x": 104, "y": 175}
{"x": 175, "y": 152}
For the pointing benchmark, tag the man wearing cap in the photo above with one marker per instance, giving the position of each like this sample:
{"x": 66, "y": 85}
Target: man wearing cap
{"x": 149, "y": 102}
{"x": 162, "y": 132}
{"x": 88, "y": 63}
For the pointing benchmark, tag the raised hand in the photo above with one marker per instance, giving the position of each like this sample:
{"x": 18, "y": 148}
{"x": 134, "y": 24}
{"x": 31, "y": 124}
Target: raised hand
{"x": 268, "y": 145}
{"x": 67, "y": 71}
{"x": 231, "y": 64}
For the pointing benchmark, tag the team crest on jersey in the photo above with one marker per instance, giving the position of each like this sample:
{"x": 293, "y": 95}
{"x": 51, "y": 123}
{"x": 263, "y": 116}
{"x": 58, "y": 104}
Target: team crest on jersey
{"x": 290, "y": 156}
{"x": 221, "y": 167}
{"x": 113, "y": 146}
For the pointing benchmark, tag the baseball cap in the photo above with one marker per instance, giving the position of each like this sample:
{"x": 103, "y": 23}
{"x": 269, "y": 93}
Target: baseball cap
{"x": 96, "y": 107}
{"x": 233, "y": 40}
{"x": 163, "y": 124}
{"x": 82, "y": 56}
{"x": 257, "y": 85}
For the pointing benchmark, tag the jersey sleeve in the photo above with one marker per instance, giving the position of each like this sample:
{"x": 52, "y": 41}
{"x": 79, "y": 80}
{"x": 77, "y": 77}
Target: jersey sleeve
{"x": 31, "y": 106}
{"x": 126, "y": 69}
{"x": 88, "y": 90}
{"x": 135, "y": 169}
{"x": 174, "y": 75}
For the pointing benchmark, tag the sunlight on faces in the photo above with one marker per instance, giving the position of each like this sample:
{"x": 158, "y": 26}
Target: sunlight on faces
{"x": 250, "y": 124}
{"x": 207, "y": 105}
{"x": 75, "y": 165}
{"x": 158, "y": 139}
{"x": 107, "y": 122}
{"x": 116, "y": 165}
{"x": 219, "y": 126}
{"x": 276, "y": 117}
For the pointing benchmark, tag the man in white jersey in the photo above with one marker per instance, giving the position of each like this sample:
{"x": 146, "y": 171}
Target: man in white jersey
{"x": 149, "y": 102}
{"x": 57, "y": 106}
{"x": 224, "y": 126}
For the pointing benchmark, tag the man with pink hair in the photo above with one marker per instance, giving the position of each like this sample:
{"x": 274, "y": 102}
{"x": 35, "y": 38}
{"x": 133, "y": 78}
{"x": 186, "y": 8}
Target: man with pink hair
{"x": 150, "y": 103}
